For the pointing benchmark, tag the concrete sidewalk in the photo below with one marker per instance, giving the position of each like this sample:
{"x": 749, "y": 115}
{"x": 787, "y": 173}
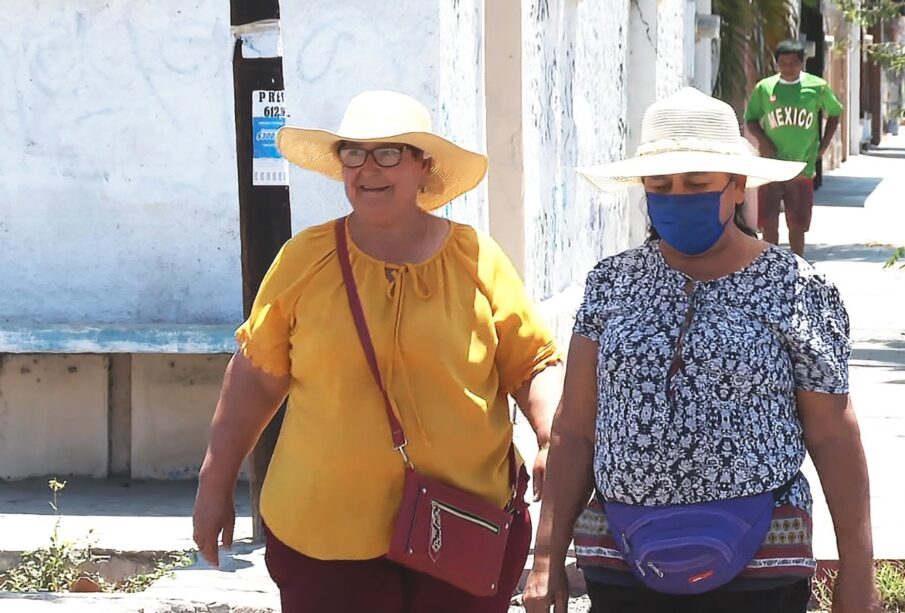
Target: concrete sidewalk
{"x": 122, "y": 515}
{"x": 859, "y": 218}
{"x": 134, "y": 516}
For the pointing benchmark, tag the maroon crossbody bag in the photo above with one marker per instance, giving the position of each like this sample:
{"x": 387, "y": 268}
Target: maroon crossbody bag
{"x": 440, "y": 530}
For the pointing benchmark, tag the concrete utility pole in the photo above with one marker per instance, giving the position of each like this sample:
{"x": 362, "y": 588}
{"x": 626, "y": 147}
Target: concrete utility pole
{"x": 264, "y": 214}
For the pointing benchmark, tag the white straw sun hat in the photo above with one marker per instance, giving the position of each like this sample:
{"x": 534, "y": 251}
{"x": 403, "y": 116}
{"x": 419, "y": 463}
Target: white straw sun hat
{"x": 690, "y": 132}
{"x": 386, "y": 116}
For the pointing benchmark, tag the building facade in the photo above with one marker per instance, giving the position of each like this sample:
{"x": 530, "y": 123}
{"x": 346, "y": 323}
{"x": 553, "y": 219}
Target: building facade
{"x": 119, "y": 206}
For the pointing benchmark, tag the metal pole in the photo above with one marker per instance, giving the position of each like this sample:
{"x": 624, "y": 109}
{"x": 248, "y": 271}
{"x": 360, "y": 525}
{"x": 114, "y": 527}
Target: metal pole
{"x": 264, "y": 213}
{"x": 876, "y": 89}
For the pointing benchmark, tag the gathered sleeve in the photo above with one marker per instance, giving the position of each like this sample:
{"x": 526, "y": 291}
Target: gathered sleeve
{"x": 264, "y": 338}
{"x": 589, "y": 319}
{"x": 525, "y": 344}
{"x": 819, "y": 342}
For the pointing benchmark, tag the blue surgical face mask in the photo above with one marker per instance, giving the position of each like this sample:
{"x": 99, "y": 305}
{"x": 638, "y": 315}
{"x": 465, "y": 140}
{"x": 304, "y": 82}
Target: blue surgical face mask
{"x": 689, "y": 223}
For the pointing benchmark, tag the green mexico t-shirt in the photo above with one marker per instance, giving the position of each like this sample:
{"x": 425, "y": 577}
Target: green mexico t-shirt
{"x": 788, "y": 114}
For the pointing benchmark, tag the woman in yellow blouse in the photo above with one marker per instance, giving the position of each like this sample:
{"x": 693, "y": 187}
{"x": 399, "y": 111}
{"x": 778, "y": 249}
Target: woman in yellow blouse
{"x": 454, "y": 334}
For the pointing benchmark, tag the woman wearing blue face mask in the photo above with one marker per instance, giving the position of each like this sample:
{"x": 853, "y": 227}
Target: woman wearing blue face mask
{"x": 703, "y": 365}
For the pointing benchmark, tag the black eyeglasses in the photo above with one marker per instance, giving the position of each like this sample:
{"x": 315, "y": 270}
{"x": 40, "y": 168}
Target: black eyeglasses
{"x": 386, "y": 156}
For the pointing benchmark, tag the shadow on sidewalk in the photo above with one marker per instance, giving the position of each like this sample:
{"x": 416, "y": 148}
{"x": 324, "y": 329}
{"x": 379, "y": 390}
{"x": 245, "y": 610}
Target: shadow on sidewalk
{"x": 893, "y": 359}
{"x": 888, "y": 354}
{"x": 853, "y": 252}
{"x": 841, "y": 191}
{"x": 84, "y": 496}
{"x": 886, "y": 152}
{"x": 229, "y": 560}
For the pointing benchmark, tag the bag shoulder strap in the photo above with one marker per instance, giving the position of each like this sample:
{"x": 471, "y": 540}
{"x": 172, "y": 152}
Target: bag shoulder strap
{"x": 361, "y": 326}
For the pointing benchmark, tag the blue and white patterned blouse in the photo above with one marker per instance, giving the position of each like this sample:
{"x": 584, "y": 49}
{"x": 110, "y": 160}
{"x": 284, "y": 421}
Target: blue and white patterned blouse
{"x": 697, "y": 380}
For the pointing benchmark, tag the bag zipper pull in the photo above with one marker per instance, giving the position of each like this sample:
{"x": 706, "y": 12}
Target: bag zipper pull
{"x": 655, "y": 569}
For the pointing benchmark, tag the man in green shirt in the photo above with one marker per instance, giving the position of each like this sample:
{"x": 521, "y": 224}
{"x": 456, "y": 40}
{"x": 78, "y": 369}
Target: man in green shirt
{"x": 782, "y": 114}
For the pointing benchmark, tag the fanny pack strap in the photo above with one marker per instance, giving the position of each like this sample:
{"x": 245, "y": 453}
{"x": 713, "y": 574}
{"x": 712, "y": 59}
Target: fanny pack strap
{"x": 778, "y": 493}
{"x": 361, "y": 326}
{"x": 784, "y": 489}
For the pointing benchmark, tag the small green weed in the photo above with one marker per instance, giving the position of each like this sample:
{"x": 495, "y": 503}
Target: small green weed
{"x": 891, "y": 585}
{"x": 822, "y": 590}
{"x": 898, "y": 254}
{"x": 139, "y": 583}
{"x": 55, "y": 567}
{"x": 52, "y": 568}
{"x": 890, "y": 580}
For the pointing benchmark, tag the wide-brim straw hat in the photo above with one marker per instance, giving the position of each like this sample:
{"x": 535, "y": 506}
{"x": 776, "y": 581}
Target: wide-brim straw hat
{"x": 691, "y": 132}
{"x": 386, "y": 116}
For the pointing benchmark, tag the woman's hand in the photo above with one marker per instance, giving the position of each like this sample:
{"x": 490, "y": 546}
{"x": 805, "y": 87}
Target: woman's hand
{"x": 248, "y": 401}
{"x": 214, "y": 514}
{"x": 547, "y": 588}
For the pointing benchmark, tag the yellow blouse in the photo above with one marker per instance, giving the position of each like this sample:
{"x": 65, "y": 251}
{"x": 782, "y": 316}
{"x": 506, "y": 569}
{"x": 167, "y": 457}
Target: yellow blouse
{"x": 453, "y": 336}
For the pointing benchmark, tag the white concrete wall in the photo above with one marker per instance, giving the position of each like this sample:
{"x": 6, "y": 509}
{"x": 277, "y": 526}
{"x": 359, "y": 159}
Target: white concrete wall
{"x": 121, "y": 204}
{"x": 573, "y": 109}
{"x": 506, "y": 173}
{"x": 118, "y": 190}
{"x": 53, "y": 416}
{"x": 335, "y": 49}
{"x": 671, "y": 47}
{"x": 548, "y": 125}
{"x": 705, "y": 48}
{"x": 173, "y": 400}
{"x": 590, "y": 69}
{"x": 118, "y": 198}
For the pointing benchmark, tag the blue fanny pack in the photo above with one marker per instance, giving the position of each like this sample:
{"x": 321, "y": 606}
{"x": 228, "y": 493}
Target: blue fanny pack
{"x": 691, "y": 548}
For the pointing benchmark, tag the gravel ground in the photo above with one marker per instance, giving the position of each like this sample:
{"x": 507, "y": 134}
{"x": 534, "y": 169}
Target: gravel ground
{"x": 579, "y": 604}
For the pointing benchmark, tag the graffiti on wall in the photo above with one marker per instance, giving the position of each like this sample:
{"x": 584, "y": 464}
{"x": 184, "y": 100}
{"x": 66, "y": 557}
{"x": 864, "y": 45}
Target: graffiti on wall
{"x": 117, "y": 120}
{"x": 574, "y": 106}
{"x": 335, "y": 50}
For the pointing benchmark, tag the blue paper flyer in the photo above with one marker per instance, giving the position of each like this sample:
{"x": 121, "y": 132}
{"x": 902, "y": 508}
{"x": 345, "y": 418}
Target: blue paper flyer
{"x": 268, "y": 114}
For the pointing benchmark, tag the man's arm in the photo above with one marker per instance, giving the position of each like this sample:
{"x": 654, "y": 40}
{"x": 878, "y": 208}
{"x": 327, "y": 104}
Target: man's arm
{"x": 832, "y": 108}
{"x": 832, "y": 123}
{"x": 767, "y": 149}
{"x": 754, "y": 113}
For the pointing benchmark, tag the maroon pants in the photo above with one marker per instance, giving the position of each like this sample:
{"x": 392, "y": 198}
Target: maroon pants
{"x": 798, "y": 197}
{"x": 380, "y": 586}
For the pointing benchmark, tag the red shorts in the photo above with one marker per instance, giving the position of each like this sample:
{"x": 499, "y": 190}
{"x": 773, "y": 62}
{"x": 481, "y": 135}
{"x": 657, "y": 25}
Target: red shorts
{"x": 798, "y": 197}
{"x": 380, "y": 586}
